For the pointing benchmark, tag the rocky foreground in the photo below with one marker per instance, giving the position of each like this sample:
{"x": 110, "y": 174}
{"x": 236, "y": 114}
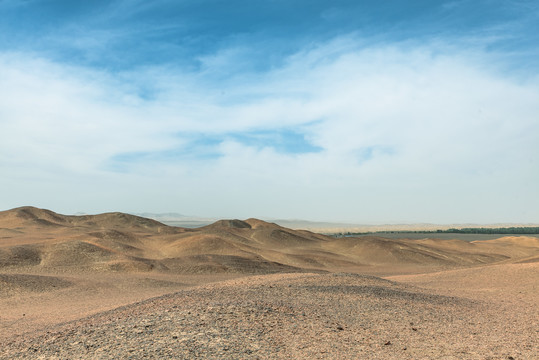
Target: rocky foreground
{"x": 294, "y": 316}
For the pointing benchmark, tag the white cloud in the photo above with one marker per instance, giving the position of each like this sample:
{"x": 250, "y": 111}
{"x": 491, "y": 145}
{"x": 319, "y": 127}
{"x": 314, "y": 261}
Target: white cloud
{"x": 408, "y": 134}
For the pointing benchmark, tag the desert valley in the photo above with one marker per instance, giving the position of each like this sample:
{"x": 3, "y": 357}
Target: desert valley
{"x": 121, "y": 286}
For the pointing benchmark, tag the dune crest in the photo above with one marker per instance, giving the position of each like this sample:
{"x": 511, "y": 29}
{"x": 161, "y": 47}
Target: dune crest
{"x": 44, "y": 240}
{"x": 123, "y": 285}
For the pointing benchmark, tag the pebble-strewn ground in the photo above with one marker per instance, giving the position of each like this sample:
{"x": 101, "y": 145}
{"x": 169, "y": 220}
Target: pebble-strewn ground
{"x": 293, "y": 316}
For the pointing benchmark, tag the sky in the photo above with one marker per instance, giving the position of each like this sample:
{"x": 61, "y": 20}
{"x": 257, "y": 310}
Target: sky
{"x": 366, "y": 112}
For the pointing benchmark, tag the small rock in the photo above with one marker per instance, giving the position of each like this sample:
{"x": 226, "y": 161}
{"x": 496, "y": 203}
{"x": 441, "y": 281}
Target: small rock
{"x": 388, "y": 343}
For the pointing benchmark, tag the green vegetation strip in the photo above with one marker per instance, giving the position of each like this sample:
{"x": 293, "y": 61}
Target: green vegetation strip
{"x": 503, "y": 230}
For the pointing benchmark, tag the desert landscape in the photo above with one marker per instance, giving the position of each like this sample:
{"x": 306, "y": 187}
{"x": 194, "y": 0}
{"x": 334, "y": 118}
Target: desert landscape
{"x": 121, "y": 286}
{"x": 269, "y": 179}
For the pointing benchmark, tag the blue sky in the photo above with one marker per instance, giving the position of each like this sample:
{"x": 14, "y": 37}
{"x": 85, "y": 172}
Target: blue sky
{"x": 358, "y": 111}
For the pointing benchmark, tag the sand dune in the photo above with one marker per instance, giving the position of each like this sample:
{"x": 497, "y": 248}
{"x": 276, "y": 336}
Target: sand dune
{"x": 16, "y": 284}
{"x": 56, "y": 268}
{"x": 43, "y": 240}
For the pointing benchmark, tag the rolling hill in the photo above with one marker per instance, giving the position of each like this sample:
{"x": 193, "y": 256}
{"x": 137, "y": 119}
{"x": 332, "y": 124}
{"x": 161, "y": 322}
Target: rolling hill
{"x": 40, "y": 239}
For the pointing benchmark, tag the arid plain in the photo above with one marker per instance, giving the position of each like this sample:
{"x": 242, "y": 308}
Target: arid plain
{"x": 120, "y": 286}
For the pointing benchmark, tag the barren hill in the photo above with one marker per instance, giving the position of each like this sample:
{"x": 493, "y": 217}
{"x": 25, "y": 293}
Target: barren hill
{"x": 43, "y": 240}
{"x": 70, "y": 287}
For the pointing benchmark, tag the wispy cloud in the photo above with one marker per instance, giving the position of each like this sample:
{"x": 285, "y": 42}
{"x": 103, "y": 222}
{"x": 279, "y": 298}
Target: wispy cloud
{"x": 342, "y": 127}
{"x": 411, "y": 122}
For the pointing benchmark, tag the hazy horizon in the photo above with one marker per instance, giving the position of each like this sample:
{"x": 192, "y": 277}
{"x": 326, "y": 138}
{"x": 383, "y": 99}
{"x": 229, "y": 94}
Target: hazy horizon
{"x": 363, "y": 113}
{"x": 194, "y": 221}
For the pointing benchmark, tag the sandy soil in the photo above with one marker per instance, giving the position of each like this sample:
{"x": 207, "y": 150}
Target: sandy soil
{"x": 445, "y": 315}
{"x": 114, "y": 286}
{"x": 31, "y": 309}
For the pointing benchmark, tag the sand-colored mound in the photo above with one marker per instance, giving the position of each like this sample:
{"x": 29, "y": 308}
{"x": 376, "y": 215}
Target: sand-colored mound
{"x": 521, "y": 241}
{"x": 116, "y": 220}
{"x": 474, "y": 299}
{"x": 235, "y": 223}
{"x": 132, "y": 264}
{"x": 216, "y": 264}
{"x": 45, "y": 241}
{"x": 531, "y": 259}
{"x": 306, "y": 316}
{"x": 30, "y": 216}
{"x": 20, "y": 256}
{"x": 376, "y": 250}
{"x": 115, "y": 235}
{"x": 207, "y": 244}
{"x": 258, "y": 224}
{"x": 120, "y": 247}
{"x": 41, "y": 216}
{"x": 17, "y": 284}
{"x": 75, "y": 253}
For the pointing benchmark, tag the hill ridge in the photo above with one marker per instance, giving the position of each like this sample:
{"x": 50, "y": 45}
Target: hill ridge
{"x": 116, "y": 241}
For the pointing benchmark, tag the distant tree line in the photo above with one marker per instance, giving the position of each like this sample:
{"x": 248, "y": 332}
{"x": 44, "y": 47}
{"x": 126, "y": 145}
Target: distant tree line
{"x": 502, "y": 230}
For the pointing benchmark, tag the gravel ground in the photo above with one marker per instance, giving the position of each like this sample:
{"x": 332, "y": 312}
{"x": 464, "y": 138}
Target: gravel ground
{"x": 297, "y": 316}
